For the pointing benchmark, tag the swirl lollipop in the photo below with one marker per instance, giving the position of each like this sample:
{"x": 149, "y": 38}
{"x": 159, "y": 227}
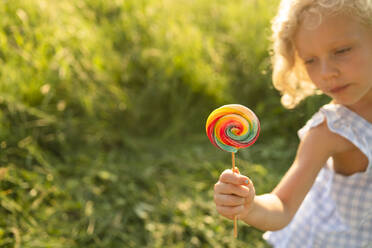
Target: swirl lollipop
{"x": 230, "y": 128}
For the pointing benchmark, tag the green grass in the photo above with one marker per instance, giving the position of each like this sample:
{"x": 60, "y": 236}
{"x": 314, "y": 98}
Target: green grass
{"x": 154, "y": 198}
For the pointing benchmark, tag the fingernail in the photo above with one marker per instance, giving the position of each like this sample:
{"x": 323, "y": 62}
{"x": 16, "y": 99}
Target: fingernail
{"x": 246, "y": 181}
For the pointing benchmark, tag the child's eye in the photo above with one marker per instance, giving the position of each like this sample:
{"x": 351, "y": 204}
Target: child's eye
{"x": 344, "y": 50}
{"x": 308, "y": 61}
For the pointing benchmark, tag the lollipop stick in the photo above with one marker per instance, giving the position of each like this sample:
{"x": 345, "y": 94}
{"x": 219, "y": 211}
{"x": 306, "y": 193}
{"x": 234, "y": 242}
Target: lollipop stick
{"x": 235, "y": 218}
{"x": 233, "y": 161}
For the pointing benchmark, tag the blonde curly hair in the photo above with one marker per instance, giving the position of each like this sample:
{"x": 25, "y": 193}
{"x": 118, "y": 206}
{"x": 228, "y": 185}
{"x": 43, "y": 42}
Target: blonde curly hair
{"x": 290, "y": 76}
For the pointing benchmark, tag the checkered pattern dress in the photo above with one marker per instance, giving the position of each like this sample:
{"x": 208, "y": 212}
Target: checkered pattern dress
{"x": 337, "y": 211}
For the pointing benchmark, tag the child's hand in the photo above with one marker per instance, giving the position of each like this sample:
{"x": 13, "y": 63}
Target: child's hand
{"x": 233, "y": 194}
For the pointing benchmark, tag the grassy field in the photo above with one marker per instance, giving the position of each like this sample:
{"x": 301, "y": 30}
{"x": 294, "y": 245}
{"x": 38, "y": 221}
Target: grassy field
{"x": 102, "y": 113}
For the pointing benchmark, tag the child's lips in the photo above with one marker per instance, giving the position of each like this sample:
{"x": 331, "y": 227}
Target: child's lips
{"x": 339, "y": 89}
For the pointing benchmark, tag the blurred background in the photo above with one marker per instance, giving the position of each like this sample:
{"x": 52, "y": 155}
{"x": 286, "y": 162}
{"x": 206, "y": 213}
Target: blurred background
{"x": 102, "y": 120}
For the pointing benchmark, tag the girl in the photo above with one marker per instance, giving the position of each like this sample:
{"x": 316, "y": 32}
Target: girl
{"x": 325, "y": 198}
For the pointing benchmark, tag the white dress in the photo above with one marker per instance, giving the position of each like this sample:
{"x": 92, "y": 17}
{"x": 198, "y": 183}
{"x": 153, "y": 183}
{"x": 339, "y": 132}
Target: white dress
{"x": 337, "y": 211}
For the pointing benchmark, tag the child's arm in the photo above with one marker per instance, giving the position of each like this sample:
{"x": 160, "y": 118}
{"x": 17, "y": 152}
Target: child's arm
{"x": 274, "y": 211}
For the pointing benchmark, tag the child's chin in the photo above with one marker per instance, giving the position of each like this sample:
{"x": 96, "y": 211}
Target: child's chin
{"x": 346, "y": 102}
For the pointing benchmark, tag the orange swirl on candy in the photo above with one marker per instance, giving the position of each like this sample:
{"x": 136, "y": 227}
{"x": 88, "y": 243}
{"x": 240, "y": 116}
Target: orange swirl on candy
{"x": 232, "y": 127}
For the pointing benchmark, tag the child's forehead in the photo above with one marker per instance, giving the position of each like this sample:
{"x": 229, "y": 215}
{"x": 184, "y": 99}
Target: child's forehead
{"x": 337, "y": 24}
{"x": 331, "y": 31}
{"x": 314, "y": 14}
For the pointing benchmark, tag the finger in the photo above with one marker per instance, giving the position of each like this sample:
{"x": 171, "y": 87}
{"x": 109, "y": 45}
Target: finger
{"x": 228, "y": 200}
{"x": 228, "y": 176}
{"x": 229, "y": 212}
{"x": 251, "y": 191}
{"x": 229, "y": 189}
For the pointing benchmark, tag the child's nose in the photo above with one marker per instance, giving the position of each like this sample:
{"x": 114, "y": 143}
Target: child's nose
{"x": 329, "y": 70}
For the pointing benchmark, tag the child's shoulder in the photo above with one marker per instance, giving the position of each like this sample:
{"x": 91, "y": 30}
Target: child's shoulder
{"x": 341, "y": 142}
{"x": 339, "y": 128}
{"x": 334, "y": 141}
{"x": 330, "y": 126}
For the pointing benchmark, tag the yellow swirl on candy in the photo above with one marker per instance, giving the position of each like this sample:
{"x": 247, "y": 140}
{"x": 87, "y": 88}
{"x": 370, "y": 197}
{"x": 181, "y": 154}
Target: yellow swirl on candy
{"x": 232, "y": 127}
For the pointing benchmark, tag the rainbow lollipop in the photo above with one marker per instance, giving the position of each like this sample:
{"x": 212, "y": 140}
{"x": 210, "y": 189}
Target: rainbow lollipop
{"x": 230, "y": 128}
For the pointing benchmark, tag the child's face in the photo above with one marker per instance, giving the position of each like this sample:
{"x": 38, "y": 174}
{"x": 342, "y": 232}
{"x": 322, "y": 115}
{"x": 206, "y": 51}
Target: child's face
{"x": 338, "y": 58}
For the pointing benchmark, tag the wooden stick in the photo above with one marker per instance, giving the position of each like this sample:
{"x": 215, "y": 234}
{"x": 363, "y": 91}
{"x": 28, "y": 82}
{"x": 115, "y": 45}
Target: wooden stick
{"x": 235, "y": 227}
{"x": 233, "y": 161}
{"x": 235, "y": 218}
